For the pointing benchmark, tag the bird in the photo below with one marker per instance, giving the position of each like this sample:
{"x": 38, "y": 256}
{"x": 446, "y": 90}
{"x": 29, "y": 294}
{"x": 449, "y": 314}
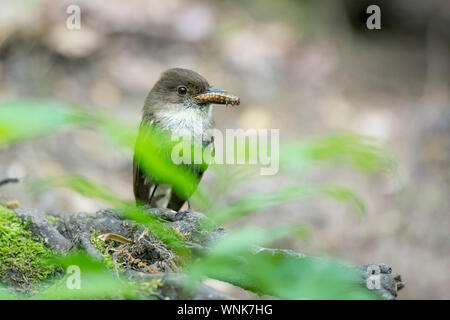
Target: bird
{"x": 179, "y": 102}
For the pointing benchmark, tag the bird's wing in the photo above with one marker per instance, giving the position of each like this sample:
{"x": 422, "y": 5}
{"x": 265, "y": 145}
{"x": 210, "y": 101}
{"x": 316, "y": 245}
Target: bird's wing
{"x": 142, "y": 185}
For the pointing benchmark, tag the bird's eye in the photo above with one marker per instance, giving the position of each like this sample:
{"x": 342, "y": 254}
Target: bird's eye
{"x": 182, "y": 90}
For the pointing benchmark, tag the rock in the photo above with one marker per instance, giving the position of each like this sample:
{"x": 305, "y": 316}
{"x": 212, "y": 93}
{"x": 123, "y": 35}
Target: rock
{"x": 42, "y": 228}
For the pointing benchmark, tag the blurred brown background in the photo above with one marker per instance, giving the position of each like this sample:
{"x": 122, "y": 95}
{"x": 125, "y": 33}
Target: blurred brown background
{"x": 306, "y": 67}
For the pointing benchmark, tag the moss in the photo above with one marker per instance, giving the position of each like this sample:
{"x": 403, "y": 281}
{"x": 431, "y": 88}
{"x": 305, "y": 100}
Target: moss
{"x": 52, "y": 219}
{"x": 147, "y": 288}
{"x": 104, "y": 247}
{"x": 24, "y": 259}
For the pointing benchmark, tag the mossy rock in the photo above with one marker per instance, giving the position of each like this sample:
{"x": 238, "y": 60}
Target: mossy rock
{"x": 24, "y": 259}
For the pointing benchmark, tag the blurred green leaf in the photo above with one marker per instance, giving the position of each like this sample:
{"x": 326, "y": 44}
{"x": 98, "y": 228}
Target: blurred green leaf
{"x": 360, "y": 152}
{"x": 25, "y": 119}
{"x": 96, "y": 282}
{"x": 287, "y": 277}
{"x": 7, "y": 294}
{"x": 266, "y": 200}
{"x": 153, "y": 151}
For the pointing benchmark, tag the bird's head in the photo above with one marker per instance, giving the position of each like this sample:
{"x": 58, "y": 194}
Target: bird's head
{"x": 186, "y": 89}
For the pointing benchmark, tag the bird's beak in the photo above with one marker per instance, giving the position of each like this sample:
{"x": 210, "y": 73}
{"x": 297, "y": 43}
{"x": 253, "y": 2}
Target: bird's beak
{"x": 217, "y": 96}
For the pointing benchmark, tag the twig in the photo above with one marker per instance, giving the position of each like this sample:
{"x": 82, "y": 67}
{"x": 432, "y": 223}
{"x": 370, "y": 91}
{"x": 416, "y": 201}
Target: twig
{"x": 8, "y": 180}
{"x": 138, "y": 262}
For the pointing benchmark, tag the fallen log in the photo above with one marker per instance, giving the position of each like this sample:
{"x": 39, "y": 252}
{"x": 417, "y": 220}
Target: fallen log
{"x": 145, "y": 257}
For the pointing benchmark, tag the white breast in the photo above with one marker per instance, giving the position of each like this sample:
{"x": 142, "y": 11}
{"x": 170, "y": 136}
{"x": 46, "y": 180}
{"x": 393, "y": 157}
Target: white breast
{"x": 179, "y": 119}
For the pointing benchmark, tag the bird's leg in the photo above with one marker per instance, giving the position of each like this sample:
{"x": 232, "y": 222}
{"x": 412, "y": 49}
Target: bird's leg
{"x": 182, "y": 210}
{"x": 151, "y": 196}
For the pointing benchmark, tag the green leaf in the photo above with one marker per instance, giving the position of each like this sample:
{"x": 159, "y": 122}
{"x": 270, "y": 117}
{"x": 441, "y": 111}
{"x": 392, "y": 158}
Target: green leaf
{"x": 26, "y": 119}
{"x": 95, "y": 281}
{"x": 231, "y": 260}
{"x": 360, "y": 152}
{"x": 266, "y": 200}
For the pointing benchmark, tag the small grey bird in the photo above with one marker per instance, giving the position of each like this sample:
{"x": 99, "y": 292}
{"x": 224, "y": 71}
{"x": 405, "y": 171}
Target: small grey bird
{"x": 180, "y": 101}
